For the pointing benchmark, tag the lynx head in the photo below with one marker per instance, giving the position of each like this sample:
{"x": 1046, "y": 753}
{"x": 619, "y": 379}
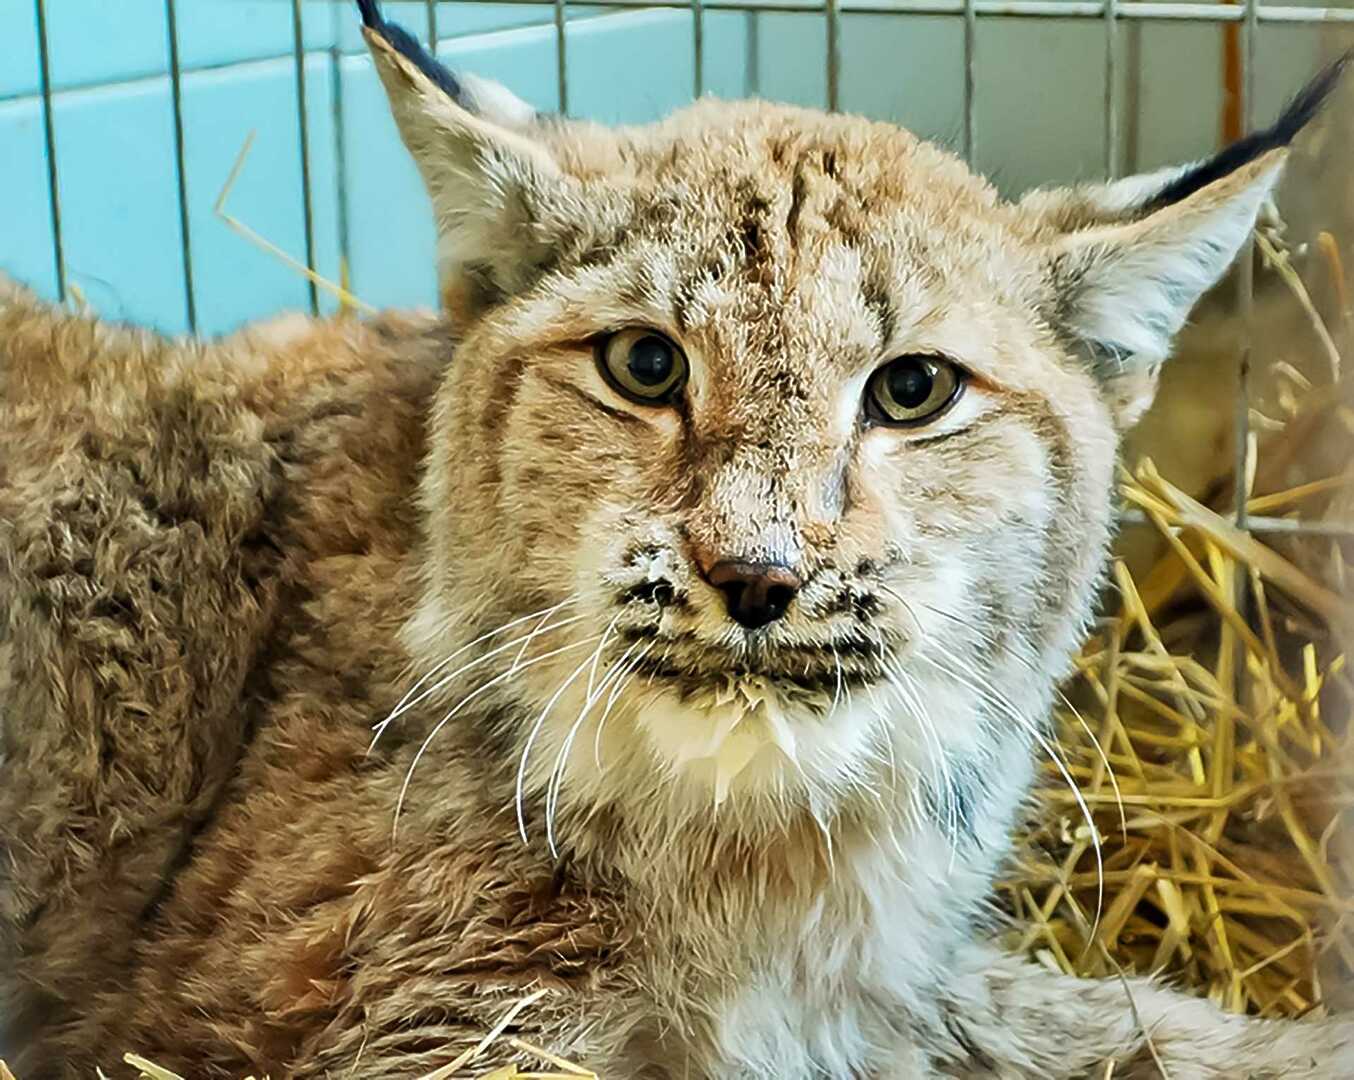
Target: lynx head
{"x": 777, "y": 447}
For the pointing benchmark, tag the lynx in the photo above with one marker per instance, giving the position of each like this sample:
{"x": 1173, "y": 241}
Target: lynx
{"x": 669, "y": 626}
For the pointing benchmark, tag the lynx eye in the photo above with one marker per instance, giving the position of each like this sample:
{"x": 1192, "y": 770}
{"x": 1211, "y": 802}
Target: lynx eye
{"x": 642, "y": 365}
{"x": 912, "y": 390}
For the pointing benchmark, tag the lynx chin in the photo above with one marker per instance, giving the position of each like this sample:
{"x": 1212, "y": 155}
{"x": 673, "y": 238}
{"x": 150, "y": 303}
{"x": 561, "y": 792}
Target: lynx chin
{"x": 671, "y": 623}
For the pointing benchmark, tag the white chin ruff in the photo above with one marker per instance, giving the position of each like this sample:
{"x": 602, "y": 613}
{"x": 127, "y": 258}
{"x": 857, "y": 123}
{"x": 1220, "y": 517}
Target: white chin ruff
{"x": 737, "y": 726}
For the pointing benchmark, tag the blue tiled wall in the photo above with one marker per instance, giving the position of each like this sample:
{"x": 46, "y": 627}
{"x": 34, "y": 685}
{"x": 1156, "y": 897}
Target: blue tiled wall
{"x": 1038, "y": 114}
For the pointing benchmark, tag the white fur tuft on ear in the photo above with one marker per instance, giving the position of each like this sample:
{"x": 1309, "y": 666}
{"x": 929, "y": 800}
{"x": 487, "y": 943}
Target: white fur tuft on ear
{"x": 486, "y": 177}
{"x": 1122, "y": 292}
{"x": 1136, "y": 284}
{"x": 494, "y": 102}
{"x": 1129, "y": 259}
{"x": 1107, "y": 203}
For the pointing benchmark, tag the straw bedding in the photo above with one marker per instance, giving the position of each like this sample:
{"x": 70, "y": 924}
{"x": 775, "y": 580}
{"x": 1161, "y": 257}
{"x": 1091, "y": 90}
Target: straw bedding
{"x": 1218, "y": 683}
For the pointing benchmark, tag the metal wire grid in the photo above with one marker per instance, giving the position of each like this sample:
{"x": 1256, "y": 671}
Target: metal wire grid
{"x": 1248, "y": 14}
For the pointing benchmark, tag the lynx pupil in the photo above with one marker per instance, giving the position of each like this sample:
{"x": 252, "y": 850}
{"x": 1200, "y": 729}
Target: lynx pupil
{"x": 651, "y": 361}
{"x": 910, "y": 384}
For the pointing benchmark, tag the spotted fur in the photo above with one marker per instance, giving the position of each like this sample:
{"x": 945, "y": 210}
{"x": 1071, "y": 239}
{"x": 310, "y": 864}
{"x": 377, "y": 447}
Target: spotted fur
{"x": 723, "y": 854}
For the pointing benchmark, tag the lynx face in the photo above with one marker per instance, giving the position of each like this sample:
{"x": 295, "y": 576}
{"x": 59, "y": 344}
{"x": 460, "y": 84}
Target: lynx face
{"x": 780, "y": 445}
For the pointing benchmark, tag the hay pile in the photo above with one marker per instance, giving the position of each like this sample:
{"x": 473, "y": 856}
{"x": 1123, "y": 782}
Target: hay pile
{"x": 1218, "y": 684}
{"x": 1220, "y": 695}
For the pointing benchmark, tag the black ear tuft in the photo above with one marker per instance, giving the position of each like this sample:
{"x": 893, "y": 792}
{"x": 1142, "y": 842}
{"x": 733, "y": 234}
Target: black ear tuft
{"x": 370, "y": 12}
{"x": 1291, "y": 121}
{"x": 407, "y": 45}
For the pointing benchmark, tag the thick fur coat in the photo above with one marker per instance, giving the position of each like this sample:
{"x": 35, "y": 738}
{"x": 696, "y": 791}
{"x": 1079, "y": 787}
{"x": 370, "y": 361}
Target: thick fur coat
{"x": 723, "y": 852}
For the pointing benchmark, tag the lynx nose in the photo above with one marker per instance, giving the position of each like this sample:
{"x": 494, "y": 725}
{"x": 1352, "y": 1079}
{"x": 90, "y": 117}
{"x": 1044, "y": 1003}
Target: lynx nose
{"x": 754, "y": 593}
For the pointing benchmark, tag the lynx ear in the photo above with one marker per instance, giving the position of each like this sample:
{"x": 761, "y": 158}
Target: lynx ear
{"x": 1127, "y": 261}
{"x": 1122, "y": 292}
{"x": 489, "y": 181}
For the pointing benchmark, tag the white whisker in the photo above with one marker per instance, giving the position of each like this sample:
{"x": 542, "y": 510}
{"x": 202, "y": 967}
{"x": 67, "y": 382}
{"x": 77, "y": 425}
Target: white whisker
{"x": 1029, "y": 666}
{"x": 837, "y": 692}
{"x": 612, "y": 697}
{"x": 597, "y": 656}
{"x": 990, "y": 694}
{"x": 399, "y": 803}
{"x": 885, "y": 732}
{"x": 537, "y": 629}
{"x": 942, "y": 778}
{"x": 589, "y": 697}
{"x": 546, "y": 612}
{"x": 556, "y": 782}
{"x": 519, "y": 798}
{"x": 446, "y": 680}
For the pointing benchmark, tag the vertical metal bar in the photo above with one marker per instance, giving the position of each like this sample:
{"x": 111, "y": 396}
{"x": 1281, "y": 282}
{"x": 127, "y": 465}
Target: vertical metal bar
{"x": 752, "y": 60}
{"x": 1249, "y": 32}
{"x": 303, "y": 132}
{"x": 1111, "y": 89}
{"x": 49, "y": 143}
{"x": 1245, "y": 282}
{"x": 1240, "y": 687}
{"x": 970, "y": 49}
{"x": 341, "y": 162}
{"x": 698, "y": 47}
{"x": 562, "y": 54}
{"x": 834, "y": 56}
{"x": 1231, "y": 121}
{"x": 176, "y": 96}
{"x": 1132, "y": 96}
{"x": 431, "y": 6}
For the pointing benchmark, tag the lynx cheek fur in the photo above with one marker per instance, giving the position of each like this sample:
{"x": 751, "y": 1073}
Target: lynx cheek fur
{"x": 708, "y": 667}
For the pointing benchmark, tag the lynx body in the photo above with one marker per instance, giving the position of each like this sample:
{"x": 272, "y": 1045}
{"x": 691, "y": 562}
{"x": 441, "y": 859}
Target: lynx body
{"x": 707, "y": 668}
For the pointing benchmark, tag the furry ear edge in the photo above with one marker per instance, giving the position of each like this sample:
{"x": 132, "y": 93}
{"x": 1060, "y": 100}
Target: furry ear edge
{"x": 1122, "y": 292}
{"x": 481, "y": 97}
{"x": 1130, "y": 198}
{"x": 1127, "y": 261}
{"x": 486, "y": 180}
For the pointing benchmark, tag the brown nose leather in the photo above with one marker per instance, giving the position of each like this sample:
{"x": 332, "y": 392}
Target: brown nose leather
{"x": 754, "y": 593}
